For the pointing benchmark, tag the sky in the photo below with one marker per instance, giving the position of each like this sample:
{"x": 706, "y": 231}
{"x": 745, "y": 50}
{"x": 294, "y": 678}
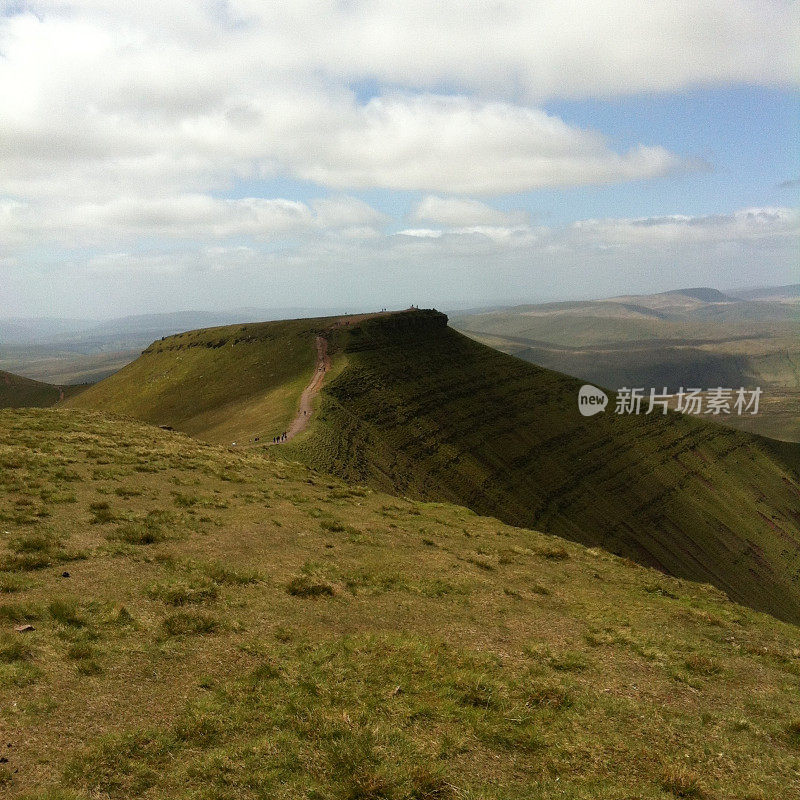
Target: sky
{"x": 159, "y": 156}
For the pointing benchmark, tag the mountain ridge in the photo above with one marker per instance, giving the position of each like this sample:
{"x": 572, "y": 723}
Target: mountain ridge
{"x": 414, "y": 408}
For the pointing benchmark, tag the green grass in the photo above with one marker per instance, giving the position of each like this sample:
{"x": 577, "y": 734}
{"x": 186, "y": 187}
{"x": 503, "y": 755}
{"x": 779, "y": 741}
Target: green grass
{"x": 222, "y": 384}
{"x": 187, "y": 668}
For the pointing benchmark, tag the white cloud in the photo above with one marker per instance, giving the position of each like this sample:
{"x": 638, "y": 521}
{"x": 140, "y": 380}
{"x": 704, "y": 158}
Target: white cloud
{"x": 181, "y": 97}
{"x": 421, "y": 233}
{"x": 427, "y": 266}
{"x": 453, "y": 212}
{"x": 190, "y": 216}
{"x": 198, "y": 217}
{"x": 461, "y": 145}
{"x": 347, "y": 212}
{"x": 747, "y": 225}
{"x": 125, "y": 122}
{"x": 662, "y": 235}
{"x": 540, "y": 48}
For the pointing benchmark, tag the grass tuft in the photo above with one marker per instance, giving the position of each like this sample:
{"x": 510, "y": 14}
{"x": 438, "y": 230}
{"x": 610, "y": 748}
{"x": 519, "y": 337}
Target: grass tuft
{"x": 306, "y": 586}
{"x": 702, "y": 665}
{"x": 183, "y": 592}
{"x": 65, "y": 612}
{"x": 228, "y": 575}
{"x": 13, "y": 649}
{"x": 185, "y": 623}
{"x": 683, "y": 782}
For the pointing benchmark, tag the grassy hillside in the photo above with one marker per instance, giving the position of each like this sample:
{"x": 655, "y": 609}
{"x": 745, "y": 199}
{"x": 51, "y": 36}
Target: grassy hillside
{"x": 422, "y": 411}
{"x": 697, "y": 337}
{"x": 222, "y": 384}
{"x": 414, "y": 408}
{"x": 211, "y": 623}
{"x": 19, "y": 392}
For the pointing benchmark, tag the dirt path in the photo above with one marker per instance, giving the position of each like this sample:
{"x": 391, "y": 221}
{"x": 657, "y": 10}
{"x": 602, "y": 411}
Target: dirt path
{"x": 303, "y": 417}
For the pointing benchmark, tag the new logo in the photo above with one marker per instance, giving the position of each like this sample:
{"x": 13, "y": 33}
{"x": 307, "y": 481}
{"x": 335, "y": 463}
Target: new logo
{"x": 591, "y": 400}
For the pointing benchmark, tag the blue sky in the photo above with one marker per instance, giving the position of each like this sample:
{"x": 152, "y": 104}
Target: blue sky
{"x": 164, "y": 156}
{"x": 748, "y": 136}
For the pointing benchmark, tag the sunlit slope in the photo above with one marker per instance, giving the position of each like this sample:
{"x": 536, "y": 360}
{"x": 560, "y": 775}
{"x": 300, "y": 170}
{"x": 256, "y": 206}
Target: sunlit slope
{"x": 423, "y": 411}
{"x": 236, "y": 627}
{"x": 19, "y": 392}
{"x": 220, "y": 384}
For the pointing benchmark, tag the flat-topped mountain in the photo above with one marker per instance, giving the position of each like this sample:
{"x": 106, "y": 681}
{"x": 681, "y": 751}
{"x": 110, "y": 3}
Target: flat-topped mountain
{"x": 412, "y": 407}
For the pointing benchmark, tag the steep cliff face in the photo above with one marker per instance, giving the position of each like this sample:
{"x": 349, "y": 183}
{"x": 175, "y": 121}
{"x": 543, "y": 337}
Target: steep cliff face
{"x": 422, "y": 411}
{"x": 411, "y": 326}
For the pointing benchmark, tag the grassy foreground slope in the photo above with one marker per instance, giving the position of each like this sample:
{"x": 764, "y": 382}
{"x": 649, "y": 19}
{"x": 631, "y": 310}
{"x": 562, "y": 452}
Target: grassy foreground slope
{"x": 19, "y": 392}
{"x": 422, "y": 411}
{"x": 217, "y": 383}
{"x": 238, "y": 627}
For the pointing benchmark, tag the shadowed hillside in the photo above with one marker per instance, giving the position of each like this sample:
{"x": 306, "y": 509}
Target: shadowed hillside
{"x": 423, "y": 411}
{"x": 204, "y": 622}
{"x": 19, "y": 392}
{"x": 414, "y": 408}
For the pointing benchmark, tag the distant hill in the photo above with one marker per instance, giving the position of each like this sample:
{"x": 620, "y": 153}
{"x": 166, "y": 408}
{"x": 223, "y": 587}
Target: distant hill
{"x": 19, "y": 392}
{"x": 414, "y": 408}
{"x": 86, "y": 335}
{"x": 30, "y": 330}
{"x": 791, "y": 292}
{"x": 703, "y": 293}
{"x": 690, "y": 337}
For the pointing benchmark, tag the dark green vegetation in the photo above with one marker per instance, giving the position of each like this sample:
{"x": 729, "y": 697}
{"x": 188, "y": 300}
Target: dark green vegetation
{"x": 697, "y": 337}
{"x": 413, "y": 408}
{"x": 271, "y": 632}
{"x": 19, "y": 392}
{"x": 423, "y": 411}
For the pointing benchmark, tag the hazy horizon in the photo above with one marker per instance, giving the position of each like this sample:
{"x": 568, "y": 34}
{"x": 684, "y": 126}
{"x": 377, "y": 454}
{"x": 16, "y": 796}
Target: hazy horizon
{"x": 334, "y": 310}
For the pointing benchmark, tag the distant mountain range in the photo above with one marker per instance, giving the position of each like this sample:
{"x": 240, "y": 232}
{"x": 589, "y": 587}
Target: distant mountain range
{"x": 697, "y": 337}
